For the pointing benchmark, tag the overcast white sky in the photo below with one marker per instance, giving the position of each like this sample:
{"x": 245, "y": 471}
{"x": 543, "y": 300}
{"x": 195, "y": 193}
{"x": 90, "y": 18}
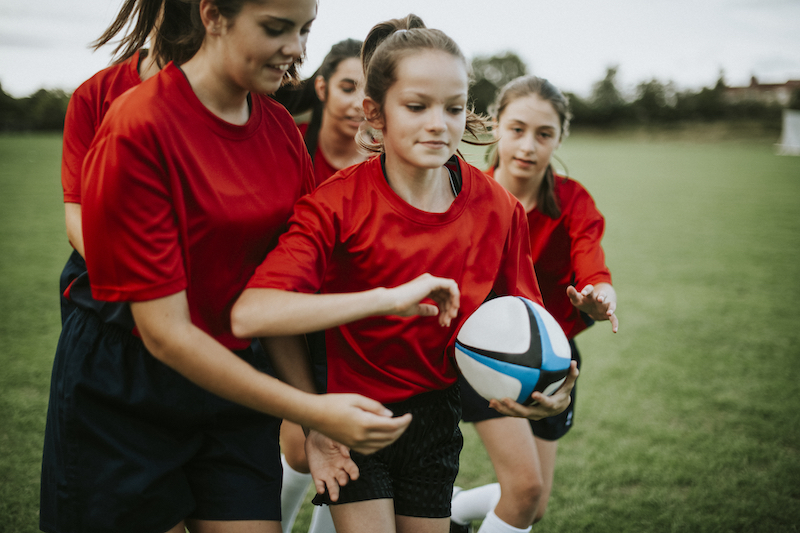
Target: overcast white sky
{"x": 43, "y": 43}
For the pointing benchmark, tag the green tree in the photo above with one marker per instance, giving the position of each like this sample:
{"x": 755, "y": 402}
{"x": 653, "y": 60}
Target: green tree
{"x": 490, "y": 73}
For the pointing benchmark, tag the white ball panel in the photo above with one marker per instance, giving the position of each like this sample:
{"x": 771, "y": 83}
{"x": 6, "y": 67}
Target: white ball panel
{"x": 553, "y": 387}
{"x": 486, "y": 381}
{"x": 499, "y": 325}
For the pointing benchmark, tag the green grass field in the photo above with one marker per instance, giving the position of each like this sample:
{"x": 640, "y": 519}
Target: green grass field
{"x": 687, "y": 420}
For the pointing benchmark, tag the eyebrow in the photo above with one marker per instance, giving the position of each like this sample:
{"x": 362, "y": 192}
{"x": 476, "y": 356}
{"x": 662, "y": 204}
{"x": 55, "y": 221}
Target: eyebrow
{"x": 288, "y": 22}
{"x": 348, "y": 80}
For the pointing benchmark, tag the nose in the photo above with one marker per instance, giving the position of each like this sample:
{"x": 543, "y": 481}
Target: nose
{"x": 296, "y": 45}
{"x": 527, "y": 143}
{"x": 436, "y": 122}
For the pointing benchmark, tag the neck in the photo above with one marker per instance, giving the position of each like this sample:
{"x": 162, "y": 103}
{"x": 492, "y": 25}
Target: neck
{"x": 526, "y": 190}
{"x": 216, "y": 92}
{"x": 427, "y": 189}
{"x": 149, "y": 66}
{"x": 339, "y": 150}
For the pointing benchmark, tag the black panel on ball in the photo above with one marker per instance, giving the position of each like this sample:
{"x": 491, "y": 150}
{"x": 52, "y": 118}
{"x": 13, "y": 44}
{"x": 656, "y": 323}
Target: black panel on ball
{"x": 531, "y": 358}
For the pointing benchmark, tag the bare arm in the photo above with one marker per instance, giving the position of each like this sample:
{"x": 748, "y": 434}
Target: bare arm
{"x": 168, "y": 333}
{"x": 72, "y": 214}
{"x": 263, "y": 312}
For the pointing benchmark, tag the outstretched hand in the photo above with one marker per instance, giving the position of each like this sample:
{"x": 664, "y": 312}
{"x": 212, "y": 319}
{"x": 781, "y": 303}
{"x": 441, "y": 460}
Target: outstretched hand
{"x": 544, "y": 406}
{"x": 598, "y": 301}
{"x": 407, "y": 298}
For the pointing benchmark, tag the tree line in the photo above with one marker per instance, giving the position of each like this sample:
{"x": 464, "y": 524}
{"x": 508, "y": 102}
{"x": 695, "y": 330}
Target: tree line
{"x": 653, "y": 102}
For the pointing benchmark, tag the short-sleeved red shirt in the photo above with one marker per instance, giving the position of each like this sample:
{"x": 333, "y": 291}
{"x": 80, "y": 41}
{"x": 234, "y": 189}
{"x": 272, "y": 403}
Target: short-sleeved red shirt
{"x": 354, "y": 233}
{"x": 566, "y": 251}
{"x": 176, "y": 198}
{"x": 87, "y": 107}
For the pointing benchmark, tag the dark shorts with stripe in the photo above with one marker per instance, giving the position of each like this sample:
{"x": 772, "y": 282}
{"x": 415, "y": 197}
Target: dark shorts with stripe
{"x": 418, "y": 470}
{"x": 133, "y": 446}
{"x": 74, "y": 267}
{"x": 476, "y": 409}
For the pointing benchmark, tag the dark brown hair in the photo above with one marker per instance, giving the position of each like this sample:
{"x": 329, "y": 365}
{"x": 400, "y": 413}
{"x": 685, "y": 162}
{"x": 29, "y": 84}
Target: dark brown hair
{"x": 301, "y": 97}
{"x": 174, "y": 27}
{"x": 521, "y": 87}
{"x": 385, "y": 46}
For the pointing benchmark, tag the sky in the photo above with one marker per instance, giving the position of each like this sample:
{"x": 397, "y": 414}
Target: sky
{"x": 44, "y": 43}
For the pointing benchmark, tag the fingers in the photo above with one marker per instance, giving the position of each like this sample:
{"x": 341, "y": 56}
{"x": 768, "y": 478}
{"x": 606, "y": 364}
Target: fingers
{"x": 614, "y": 322}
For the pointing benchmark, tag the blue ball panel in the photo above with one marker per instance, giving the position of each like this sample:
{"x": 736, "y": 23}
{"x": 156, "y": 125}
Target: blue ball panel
{"x": 528, "y": 377}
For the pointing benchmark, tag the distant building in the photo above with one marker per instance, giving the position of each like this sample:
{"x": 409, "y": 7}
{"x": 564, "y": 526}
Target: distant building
{"x": 768, "y": 93}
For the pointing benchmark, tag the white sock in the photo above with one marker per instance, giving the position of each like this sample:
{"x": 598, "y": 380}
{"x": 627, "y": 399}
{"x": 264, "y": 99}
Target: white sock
{"x": 321, "y": 521}
{"x": 492, "y": 524}
{"x": 293, "y": 492}
{"x": 474, "y": 504}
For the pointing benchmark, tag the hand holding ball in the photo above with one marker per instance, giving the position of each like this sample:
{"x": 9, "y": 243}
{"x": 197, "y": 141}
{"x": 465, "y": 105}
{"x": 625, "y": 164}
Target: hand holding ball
{"x": 511, "y": 347}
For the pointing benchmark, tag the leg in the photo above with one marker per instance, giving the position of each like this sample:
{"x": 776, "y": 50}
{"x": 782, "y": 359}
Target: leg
{"x": 413, "y": 524}
{"x": 364, "y": 516}
{"x": 296, "y": 477}
{"x": 232, "y": 526}
{"x": 547, "y": 459}
{"x": 512, "y": 450}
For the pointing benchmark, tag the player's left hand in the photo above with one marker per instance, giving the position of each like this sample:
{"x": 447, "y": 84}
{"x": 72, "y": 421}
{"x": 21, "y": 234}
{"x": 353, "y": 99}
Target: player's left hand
{"x": 598, "y": 301}
{"x": 544, "y": 406}
{"x": 330, "y": 464}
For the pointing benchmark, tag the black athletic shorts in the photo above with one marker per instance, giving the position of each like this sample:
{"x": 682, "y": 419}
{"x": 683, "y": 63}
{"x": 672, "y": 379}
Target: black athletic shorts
{"x": 476, "y": 409}
{"x": 133, "y": 446}
{"x": 418, "y": 470}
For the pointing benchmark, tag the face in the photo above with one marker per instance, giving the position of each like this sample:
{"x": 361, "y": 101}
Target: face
{"x": 424, "y": 111}
{"x": 529, "y": 131}
{"x": 343, "y": 95}
{"x": 259, "y": 44}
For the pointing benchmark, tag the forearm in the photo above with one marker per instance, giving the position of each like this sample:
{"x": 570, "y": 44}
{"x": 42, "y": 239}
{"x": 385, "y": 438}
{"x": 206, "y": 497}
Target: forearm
{"x": 72, "y": 216}
{"x": 271, "y": 312}
{"x": 170, "y": 336}
{"x": 291, "y": 361}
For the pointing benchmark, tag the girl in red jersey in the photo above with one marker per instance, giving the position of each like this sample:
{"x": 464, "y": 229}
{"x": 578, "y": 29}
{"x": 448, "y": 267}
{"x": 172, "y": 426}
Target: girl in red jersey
{"x": 532, "y": 117}
{"x": 188, "y": 182}
{"x": 419, "y": 220}
{"x": 333, "y": 95}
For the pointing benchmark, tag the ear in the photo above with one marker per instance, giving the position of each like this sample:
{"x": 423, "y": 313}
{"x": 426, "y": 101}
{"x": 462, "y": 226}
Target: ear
{"x": 212, "y": 19}
{"x": 372, "y": 112}
{"x": 321, "y": 88}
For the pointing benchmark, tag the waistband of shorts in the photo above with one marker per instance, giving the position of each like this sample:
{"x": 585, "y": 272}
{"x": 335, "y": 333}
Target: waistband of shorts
{"x": 450, "y": 394}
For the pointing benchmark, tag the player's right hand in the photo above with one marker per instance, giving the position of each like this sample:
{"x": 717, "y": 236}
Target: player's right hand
{"x": 359, "y": 423}
{"x": 407, "y": 298}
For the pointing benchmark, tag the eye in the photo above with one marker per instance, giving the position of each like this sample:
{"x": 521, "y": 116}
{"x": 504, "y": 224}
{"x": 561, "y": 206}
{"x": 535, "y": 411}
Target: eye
{"x": 273, "y": 31}
{"x": 415, "y": 108}
{"x": 456, "y": 110}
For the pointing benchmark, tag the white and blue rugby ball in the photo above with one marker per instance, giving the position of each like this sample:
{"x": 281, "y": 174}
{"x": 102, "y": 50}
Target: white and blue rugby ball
{"x": 510, "y": 347}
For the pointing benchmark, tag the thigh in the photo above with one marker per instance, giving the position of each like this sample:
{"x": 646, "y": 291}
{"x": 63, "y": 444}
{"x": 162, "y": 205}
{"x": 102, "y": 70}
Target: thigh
{"x": 364, "y": 516}
{"x": 547, "y": 450}
{"x": 511, "y": 448}
{"x": 413, "y": 524}
{"x": 237, "y": 526}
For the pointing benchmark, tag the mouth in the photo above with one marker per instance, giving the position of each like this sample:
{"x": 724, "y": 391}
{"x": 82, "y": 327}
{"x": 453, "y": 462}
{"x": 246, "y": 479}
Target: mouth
{"x": 280, "y": 68}
{"x": 434, "y": 145}
{"x": 524, "y": 162}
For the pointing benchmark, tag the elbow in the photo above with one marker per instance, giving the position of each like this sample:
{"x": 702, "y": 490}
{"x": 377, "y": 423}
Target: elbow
{"x": 242, "y": 326}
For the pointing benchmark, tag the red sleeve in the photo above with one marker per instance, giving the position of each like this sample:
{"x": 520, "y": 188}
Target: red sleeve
{"x": 133, "y": 249}
{"x": 79, "y": 130}
{"x": 517, "y": 276}
{"x": 299, "y": 261}
{"x": 586, "y": 225}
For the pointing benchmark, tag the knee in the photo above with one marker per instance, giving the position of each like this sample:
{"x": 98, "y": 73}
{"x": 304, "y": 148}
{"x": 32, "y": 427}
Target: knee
{"x": 296, "y": 458}
{"x": 526, "y": 492}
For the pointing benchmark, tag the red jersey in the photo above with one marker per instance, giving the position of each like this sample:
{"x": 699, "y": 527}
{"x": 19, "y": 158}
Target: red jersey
{"x": 87, "y": 107}
{"x": 322, "y": 168}
{"x": 176, "y": 198}
{"x": 354, "y": 233}
{"x": 566, "y": 251}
